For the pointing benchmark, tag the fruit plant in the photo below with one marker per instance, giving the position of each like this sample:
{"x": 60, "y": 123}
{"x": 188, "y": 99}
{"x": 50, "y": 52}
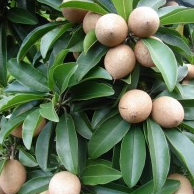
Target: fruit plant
{"x": 96, "y": 97}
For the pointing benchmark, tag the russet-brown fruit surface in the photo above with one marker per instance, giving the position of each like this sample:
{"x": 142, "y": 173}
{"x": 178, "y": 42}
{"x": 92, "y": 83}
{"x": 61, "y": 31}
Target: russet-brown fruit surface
{"x": 90, "y": 20}
{"x": 1, "y": 191}
{"x": 73, "y": 15}
{"x": 12, "y": 177}
{"x": 167, "y": 112}
{"x": 172, "y": 3}
{"x": 120, "y": 61}
{"x": 185, "y": 185}
{"x": 45, "y": 192}
{"x": 135, "y": 106}
{"x": 111, "y": 30}
{"x": 18, "y": 131}
{"x": 190, "y": 74}
{"x": 64, "y": 183}
{"x": 143, "y": 22}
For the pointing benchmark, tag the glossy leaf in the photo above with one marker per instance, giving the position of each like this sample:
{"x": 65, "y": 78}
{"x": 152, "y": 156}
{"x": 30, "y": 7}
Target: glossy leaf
{"x": 67, "y": 143}
{"x": 123, "y": 7}
{"x": 89, "y": 60}
{"x": 107, "y": 135}
{"x": 35, "y": 185}
{"x": 164, "y": 60}
{"x": 159, "y": 152}
{"x": 89, "y": 40}
{"x": 182, "y": 146}
{"x": 106, "y": 4}
{"x": 51, "y": 37}
{"x": 86, "y": 4}
{"x": 42, "y": 146}
{"x": 26, "y": 158}
{"x": 154, "y": 4}
{"x": 178, "y": 16}
{"x": 3, "y": 55}
{"x": 31, "y": 77}
{"x": 18, "y": 99}
{"x": 29, "y": 126}
{"x": 22, "y": 16}
{"x": 33, "y": 36}
{"x": 52, "y": 3}
{"x": 62, "y": 74}
{"x": 99, "y": 174}
{"x": 132, "y": 155}
{"x": 90, "y": 90}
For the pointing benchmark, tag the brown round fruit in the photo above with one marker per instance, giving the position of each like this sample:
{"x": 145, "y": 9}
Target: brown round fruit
{"x": 111, "y": 30}
{"x": 45, "y": 192}
{"x": 90, "y": 20}
{"x": 185, "y": 185}
{"x": 143, "y": 22}
{"x": 18, "y": 131}
{"x": 73, "y": 15}
{"x": 12, "y": 177}
{"x": 64, "y": 183}
{"x": 120, "y": 61}
{"x": 135, "y": 106}
{"x": 172, "y": 3}
{"x": 76, "y": 54}
{"x": 190, "y": 74}
{"x": 1, "y": 191}
{"x": 185, "y": 82}
{"x": 167, "y": 112}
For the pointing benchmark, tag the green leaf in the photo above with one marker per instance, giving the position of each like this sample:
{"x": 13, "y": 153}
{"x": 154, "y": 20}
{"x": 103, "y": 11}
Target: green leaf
{"x": 164, "y": 60}
{"x": 188, "y": 125}
{"x": 106, "y": 4}
{"x": 86, "y": 4}
{"x": 31, "y": 77}
{"x": 185, "y": 15}
{"x": 67, "y": 143}
{"x": 30, "y": 124}
{"x": 52, "y": 3}
{"x": 182, "y": 146}
{"x": 99, "y": 161}
{"x": 90, "y": 90}
{"x": 2, "y": 163}
{"x": 132, "y": 155}
{"x": 123, "y": 7}
{"x": 82, "y": 125}
{"x": 99, "y": 174}
{"x": 89, "y": 60}
{"x": 26, "y": 158}
{"x": 35, "y": 185}
{"x": 18, "y": 99}
{"x": 107, "y": 135}
{"x": 51, "y": 37}
{"x": 33, "y": 36}
{"x": 89, "y": 40}
{"x": 21, "y": 16}
{"x": 154, "y": 4}
{"x": 159, "y": 153}
{"x": 62, "y": 74}
{"x": 3, "y": 55}
{"x": 42, "y": 146}
{"x": 47, "y": 111}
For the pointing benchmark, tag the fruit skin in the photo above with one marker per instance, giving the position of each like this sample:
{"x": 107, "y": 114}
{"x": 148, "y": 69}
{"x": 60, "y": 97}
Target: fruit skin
{"x": 111, "y": 30}
{"x": 135, "y": 106}
{"x": 73, "y": 15}
{"x": 185, "y": 185}
{"x": 90, "y": 20}
{"x": 1, "y": 191}
{"x": 167, "y": 112}
{"x": 12, "y": 177}
{"x": 76, "y": 55}
{"x": 172, "y": 3}
{"x": 64, "y": 183}
{"x": 190, "y": 74}
{"x": 45, "y": 192}
{"x": 143, "y": 22}
{"x": 18, "y": 131}
{"x": 119, "y": 61}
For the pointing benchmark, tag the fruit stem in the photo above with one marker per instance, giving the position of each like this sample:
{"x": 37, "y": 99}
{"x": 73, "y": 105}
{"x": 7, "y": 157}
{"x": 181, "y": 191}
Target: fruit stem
{"x": 13, "y": 147}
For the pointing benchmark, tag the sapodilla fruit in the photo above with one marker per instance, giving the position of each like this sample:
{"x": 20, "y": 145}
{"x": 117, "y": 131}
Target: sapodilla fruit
{"x": 1, "y": 191}
{"x": 12, "y": 177}
{"x": 185, "y": 185}
{"x": 119, "y": 61}
{"x": 73, "y": 15}
{"x": 64, "y": 183}
{"x": 17, "y": 132}
{"x": 190, "y": 74}
{"x": 135, "y": 106}
{"x": 143, "y": 22}
{"x": 90, "y": 20}
{"x": 111, "y": 30}
{"x": 172, "y": 3}
{"x": 45, "y": 192}
{"x": 167, "y": 112}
